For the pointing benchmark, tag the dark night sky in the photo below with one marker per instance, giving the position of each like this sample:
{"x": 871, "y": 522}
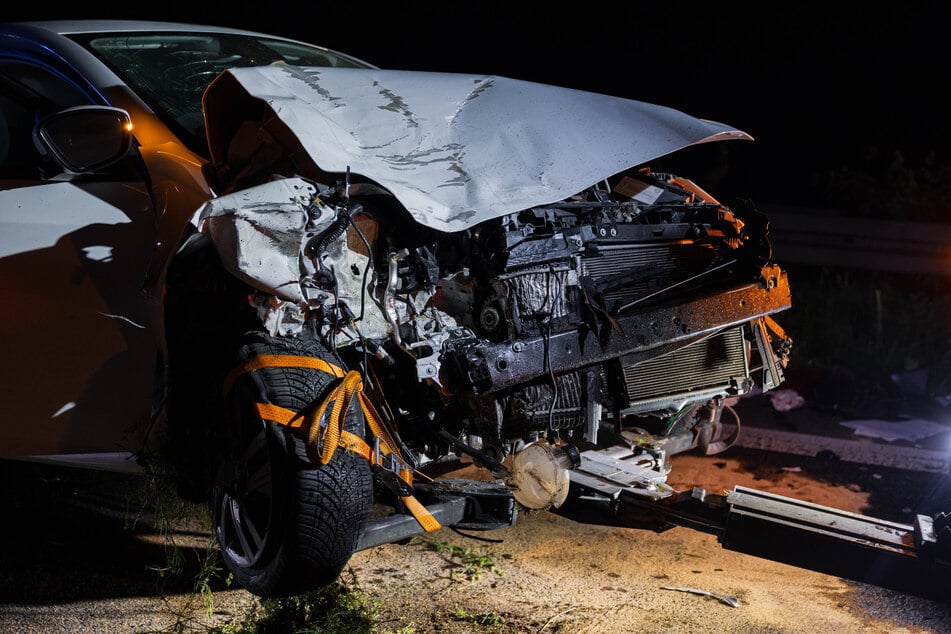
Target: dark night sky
{"x": 816, "y": 86}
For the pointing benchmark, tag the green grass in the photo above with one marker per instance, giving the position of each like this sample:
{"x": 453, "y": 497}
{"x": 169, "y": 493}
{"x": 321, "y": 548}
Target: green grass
{"x": 338, "y": 607}
{"x": 489, "y": 620}
{"x": 343, "y": 606}
{"x": 471, "y": 564}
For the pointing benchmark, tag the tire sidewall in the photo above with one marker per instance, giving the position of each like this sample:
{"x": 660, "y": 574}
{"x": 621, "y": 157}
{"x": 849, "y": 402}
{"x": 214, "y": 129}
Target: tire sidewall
{"x": 318, "y": 511}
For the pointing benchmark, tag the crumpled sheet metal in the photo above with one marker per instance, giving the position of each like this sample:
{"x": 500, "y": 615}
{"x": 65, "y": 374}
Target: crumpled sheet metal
{"x": 459, "y": 149}
{"x": 260, "y": 233}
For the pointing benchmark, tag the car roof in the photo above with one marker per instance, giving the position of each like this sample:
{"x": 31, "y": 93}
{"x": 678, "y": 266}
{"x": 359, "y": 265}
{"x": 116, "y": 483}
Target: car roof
{"x": 73, "y": 27}
{"x": 57, "y": 30}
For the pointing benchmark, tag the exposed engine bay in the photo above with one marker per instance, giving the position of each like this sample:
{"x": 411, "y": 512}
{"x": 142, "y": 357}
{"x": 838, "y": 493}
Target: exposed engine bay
{"x": 539, "y": 285}
{"x": 632, "y": 312}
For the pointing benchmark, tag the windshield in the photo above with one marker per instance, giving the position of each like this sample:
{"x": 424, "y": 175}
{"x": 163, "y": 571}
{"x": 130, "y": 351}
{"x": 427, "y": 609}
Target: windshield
{"x": 170, "y": 71}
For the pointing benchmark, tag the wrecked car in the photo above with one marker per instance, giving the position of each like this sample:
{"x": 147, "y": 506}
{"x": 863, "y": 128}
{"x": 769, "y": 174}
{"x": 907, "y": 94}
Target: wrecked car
{"x": 307, "y": 286}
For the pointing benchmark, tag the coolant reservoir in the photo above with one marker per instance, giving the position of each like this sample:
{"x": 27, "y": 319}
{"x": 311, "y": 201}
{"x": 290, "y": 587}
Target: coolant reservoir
{"x": 539, "y": 474}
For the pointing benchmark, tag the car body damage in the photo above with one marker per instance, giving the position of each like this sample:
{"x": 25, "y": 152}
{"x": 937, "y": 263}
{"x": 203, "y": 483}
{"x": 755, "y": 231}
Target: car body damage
{"x": 499, "y": 256}
{"x": 457, "y": 150}
{"x": 501, "y": 273}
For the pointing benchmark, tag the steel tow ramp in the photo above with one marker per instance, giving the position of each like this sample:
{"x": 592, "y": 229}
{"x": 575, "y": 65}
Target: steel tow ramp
{"x": 612, "y": 487}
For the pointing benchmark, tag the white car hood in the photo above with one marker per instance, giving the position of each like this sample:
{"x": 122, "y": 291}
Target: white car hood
{"x": 455, "y": 149}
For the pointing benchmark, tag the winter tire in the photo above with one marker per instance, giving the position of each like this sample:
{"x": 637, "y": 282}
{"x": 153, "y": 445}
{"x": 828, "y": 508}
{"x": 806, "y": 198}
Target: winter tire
{"x": 285, "y": 525}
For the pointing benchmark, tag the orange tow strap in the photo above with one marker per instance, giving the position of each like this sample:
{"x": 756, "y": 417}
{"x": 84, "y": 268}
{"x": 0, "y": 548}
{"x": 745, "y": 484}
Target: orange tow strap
{"x": 324, "y": 439}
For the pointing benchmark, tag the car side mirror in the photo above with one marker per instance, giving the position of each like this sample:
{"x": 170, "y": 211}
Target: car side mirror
{"x": 86, "y": 138}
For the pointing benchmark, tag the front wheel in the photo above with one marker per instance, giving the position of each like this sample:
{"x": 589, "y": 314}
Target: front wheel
{"x": 285, "y": 525}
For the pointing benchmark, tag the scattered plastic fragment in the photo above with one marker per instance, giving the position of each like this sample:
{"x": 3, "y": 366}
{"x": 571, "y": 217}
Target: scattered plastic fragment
{"x": 793, "y": 469}
{"x": 786, "y": 399}
{"x": 733, "y": 602}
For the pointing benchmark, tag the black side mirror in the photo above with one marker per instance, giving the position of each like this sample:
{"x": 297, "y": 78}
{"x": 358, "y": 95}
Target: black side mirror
{"x": 86, "y": 138}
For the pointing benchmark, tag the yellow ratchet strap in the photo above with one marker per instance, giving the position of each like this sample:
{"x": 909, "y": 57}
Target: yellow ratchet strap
{"x": 325, "y": 439}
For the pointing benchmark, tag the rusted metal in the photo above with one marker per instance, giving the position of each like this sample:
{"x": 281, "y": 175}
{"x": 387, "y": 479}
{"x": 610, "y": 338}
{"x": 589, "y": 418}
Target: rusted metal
{"x": 646, "y": 334}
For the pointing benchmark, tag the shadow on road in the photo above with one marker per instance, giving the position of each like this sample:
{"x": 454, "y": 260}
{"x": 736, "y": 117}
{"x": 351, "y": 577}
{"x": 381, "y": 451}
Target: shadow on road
{"x": 70, "y": 535}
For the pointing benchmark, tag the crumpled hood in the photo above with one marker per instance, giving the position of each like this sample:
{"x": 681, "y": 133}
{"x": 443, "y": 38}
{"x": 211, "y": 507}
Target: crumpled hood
{"x": 455, "y": 149}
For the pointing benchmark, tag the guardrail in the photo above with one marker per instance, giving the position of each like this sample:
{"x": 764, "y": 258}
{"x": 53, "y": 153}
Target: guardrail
{"x": 819, "y": 237}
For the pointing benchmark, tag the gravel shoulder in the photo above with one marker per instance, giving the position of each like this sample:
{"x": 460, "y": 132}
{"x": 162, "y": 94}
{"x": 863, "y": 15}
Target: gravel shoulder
{"x": 76, "y": 559}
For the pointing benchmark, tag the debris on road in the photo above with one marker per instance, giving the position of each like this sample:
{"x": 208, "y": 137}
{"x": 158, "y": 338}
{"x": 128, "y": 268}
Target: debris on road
{"x": 784, "y": 400}
{"x": 733, "y": 602}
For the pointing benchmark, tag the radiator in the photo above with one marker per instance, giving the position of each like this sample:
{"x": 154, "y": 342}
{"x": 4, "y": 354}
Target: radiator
{"x": 713, "y": 365}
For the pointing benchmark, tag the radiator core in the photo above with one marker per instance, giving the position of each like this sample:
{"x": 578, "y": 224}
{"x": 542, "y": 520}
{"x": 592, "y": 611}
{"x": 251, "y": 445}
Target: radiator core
{"x": 707, "y": 365}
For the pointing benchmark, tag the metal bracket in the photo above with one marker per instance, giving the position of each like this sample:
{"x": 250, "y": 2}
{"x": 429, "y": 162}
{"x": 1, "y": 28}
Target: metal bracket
{"x": 615, "y": 469}
{"x": 465, "y": 504}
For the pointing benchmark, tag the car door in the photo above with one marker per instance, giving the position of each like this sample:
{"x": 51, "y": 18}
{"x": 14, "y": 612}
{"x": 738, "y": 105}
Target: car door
{"x": 79, "y": 354}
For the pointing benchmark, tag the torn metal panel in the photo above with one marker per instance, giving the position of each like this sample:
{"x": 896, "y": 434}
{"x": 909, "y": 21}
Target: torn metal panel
{"x": 260, "y": 233}
{"x": 264, "y": 235}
